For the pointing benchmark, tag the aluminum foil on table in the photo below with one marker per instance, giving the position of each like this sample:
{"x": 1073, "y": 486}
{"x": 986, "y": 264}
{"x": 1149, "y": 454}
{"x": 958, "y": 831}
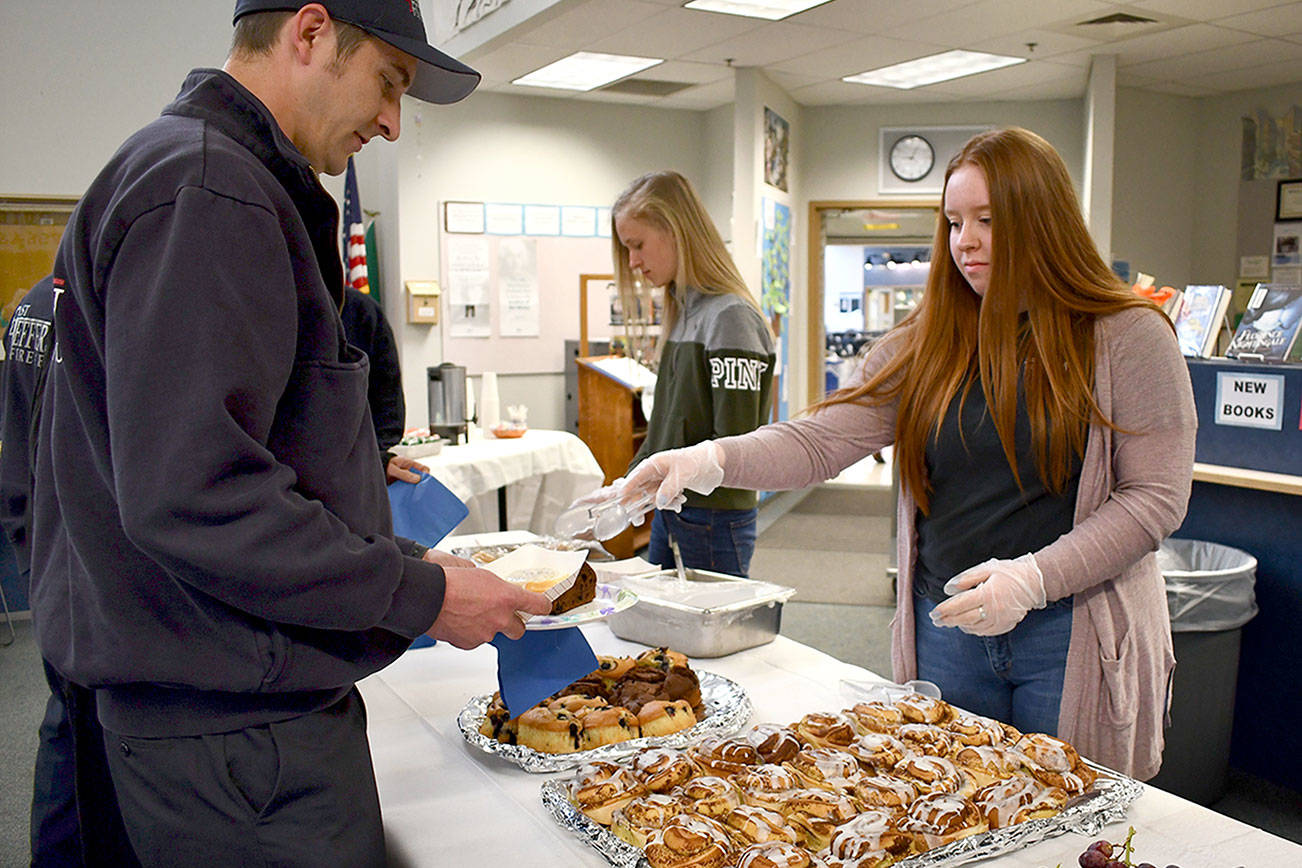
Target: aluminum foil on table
{"x": 727, "y": 710}
{"x": 1085, "y": 815}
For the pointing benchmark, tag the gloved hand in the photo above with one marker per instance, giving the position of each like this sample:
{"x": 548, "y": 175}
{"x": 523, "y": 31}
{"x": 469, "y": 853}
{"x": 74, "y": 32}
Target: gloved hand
{"x": 993, "y": 597}
{"x": 666, "y": 474}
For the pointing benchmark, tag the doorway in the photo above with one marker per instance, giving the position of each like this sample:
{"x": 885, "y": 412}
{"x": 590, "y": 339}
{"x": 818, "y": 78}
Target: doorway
{"x": 862, "y": 255}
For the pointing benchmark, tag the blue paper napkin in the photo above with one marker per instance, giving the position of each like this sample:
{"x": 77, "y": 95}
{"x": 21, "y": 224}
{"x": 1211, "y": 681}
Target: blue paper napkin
{"x": 535, "y": 666}
{"x": 425, "y": 512}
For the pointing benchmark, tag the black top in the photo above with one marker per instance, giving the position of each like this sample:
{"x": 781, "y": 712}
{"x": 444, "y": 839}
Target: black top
{"x": 369, "y": 331}
{"x": 27, "y": 343}
{"x": 977, "y": 510}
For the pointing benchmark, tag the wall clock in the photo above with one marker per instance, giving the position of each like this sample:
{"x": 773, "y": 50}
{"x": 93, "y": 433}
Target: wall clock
{"x": 912, "y": 157}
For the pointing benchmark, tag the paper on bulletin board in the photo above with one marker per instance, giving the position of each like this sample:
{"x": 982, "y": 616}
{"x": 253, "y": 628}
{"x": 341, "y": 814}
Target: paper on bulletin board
{"x": 467, "y": 286}
{"x": 517, "y": 287}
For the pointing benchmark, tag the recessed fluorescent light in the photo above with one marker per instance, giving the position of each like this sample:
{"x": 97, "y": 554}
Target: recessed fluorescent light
{"x": 586, "y": 70}
{"x": 773, "y": 10}
{"x": 937, "y": 67}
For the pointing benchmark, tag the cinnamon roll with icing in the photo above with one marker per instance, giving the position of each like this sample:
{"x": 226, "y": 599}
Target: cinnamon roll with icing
{"x": 689, "y": 841}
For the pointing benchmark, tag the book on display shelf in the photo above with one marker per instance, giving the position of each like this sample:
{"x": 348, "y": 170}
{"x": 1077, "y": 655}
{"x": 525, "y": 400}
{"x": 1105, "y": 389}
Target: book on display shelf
{"x": 1198, "y": 323}
{"x": 1270, "y": 324}
{"x": 1168, "y": 298}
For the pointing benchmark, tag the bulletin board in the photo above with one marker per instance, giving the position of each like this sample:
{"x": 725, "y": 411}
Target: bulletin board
{"x": 30, "y": 229}
{"x": 557, "y": 261}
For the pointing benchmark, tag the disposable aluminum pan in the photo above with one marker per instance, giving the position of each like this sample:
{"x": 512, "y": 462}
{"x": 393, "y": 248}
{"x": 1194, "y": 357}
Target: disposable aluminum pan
{"x": 709, "y": 615}
{"x": 727, "y": 707}
{"x": 1105, "y": 803}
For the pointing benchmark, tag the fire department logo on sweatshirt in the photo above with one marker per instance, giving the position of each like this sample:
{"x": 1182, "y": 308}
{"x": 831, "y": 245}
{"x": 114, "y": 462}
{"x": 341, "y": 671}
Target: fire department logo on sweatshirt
{"x": 731, "y": 372}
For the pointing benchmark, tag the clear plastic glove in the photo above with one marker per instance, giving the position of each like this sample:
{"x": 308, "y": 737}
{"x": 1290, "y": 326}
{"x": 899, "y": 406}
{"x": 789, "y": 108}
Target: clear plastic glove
{"x": 993, "y": 597}
{"x": 665, "y": 475}
{"x": 601, "y": 514}
{"x": 477, "y": 605}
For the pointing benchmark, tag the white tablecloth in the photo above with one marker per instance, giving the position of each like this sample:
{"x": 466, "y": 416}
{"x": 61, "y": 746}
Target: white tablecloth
{"x": 543, "y": 472}
{"x": 446, "y": 803}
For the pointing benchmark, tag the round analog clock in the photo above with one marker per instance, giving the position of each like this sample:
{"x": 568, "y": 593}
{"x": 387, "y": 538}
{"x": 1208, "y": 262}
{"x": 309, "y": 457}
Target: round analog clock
{"x": 912, "y": 157}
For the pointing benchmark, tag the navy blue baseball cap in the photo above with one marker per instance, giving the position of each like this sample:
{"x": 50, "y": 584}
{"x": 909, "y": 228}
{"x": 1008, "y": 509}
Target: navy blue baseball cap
{"x": 439, "y": 78}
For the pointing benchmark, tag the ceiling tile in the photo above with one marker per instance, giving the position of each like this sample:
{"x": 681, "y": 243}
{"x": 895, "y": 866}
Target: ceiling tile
{"x": 1265, "y": 75}
{"x": 682, "y": 70}
{"x": 673, "y": 33}
{"x": 1242, "y": 56}
{"x": 991, "y": 18}
{"x": 1203, "y": 10}
{"x": 1047, "y": 44}
{"x": 861, "y": 55}
{"x": 1267, "y": 22}
{"x": 875, "y": 16}
{"x": 594, "y": 16}
{"x": 782, "y": 41}
{"x": 985, "y": 84}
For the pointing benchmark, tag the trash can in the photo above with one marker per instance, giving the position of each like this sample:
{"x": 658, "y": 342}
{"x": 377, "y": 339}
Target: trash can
{"x": 1209, "y": 590}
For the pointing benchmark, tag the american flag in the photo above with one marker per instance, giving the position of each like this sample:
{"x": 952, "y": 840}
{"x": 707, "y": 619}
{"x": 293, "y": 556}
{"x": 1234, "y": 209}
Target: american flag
{"x": 354, "y": 234}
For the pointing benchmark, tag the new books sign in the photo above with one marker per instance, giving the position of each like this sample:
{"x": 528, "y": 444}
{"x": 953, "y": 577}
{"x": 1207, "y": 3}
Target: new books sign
{"x": 1250, "y": 400}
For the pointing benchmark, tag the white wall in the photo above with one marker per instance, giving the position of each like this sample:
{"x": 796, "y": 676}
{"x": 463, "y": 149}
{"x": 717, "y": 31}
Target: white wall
{"x": 80, "y": 77}
{"x": 842, "y": 275}
{"x": 1215, "y": 181}
{"x": 840, "y": 159}
{"x": 502, "y": 148}
{"x": 1154, "y": 197}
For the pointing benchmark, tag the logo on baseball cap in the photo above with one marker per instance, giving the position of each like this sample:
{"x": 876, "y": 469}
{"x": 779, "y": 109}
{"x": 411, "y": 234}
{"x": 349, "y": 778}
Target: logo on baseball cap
{"x": 439, "y": 78}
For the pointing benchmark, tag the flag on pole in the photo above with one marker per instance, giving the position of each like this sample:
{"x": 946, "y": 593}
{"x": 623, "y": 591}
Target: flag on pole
{"x": 355, "y": 274}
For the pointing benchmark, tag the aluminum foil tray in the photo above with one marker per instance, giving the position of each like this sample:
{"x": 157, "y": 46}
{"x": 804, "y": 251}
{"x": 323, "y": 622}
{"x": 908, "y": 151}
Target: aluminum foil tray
{"x": 1086, "y": 815}
{"x": 727, "y": 706}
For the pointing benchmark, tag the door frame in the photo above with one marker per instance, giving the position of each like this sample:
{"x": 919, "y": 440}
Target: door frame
{"x": 815, "y": 337}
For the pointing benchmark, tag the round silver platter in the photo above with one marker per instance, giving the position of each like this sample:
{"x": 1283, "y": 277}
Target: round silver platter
{"x": 727, "y": 710}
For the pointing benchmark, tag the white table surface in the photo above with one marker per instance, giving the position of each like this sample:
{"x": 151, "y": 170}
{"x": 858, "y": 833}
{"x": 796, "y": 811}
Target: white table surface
{"x": 446, "y": 803}
{"x": 543, "y": 472}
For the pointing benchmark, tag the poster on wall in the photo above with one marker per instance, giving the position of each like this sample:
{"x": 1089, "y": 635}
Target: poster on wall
{"x": 467, "y": 286}
{"x": 517, "y": 287}
{"x": 776, "y": 149}
{"x": 775, "y": 296}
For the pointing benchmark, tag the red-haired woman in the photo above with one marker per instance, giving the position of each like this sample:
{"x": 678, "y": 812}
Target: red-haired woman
{"x": 1043, "y": 424}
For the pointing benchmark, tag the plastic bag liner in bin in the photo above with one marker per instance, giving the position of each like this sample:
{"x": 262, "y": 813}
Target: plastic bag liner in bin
{"x": 1209, "y": 586}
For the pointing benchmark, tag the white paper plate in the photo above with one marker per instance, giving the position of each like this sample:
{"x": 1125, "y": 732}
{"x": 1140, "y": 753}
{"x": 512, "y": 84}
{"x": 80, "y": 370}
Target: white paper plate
{"x": 608, "y": 601}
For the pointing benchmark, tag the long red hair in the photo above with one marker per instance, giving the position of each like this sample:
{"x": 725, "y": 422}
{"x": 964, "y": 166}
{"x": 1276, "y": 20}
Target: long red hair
{"x": 1043, "y": 263}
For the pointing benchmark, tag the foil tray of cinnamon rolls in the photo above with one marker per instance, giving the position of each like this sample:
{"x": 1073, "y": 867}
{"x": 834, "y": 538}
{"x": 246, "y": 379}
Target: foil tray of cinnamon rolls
{"x": 725, "y": 710}
{"x": 911, "y": 783}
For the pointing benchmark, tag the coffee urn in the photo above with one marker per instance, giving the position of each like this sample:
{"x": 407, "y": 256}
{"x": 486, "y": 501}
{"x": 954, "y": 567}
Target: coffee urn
{"x": 447, "y": 401}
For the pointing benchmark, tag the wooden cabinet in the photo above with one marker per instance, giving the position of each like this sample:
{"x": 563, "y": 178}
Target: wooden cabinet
{"x": 612, "y": 424}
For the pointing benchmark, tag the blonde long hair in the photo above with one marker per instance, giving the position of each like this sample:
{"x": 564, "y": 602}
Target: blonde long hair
{"x": 668, "y": 201}
{"x": 1043, "y": 263}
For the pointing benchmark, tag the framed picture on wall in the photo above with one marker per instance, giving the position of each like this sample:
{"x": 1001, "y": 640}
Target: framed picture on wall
{"x": 1288, "y": 200}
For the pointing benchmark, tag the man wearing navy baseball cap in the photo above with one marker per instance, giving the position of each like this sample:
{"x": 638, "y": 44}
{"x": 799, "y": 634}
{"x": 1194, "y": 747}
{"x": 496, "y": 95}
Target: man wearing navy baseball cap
{"x": 212, "y": 550}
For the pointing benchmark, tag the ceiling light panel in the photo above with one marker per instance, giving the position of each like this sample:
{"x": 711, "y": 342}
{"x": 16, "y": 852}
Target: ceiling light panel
{"x": 933, "y": 69}
{"x": 770, "y": 10}
{"x": 586, "y": 70}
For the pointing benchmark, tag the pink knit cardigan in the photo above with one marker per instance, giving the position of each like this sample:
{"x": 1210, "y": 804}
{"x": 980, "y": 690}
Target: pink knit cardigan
{"x": 1134, "y": 488}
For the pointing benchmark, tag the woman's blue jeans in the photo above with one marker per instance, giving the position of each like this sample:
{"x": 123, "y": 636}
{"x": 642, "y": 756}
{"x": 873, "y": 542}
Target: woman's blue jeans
{"x": 720, "y": 540}
{"x": 1016, "y": 677}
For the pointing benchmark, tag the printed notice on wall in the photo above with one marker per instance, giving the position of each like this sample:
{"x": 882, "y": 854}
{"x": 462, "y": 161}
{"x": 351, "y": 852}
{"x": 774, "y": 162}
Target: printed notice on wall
{"x": 517, "y": 287}
{"x": 467, "y": 286}
{"x": 1248, "y": 400}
